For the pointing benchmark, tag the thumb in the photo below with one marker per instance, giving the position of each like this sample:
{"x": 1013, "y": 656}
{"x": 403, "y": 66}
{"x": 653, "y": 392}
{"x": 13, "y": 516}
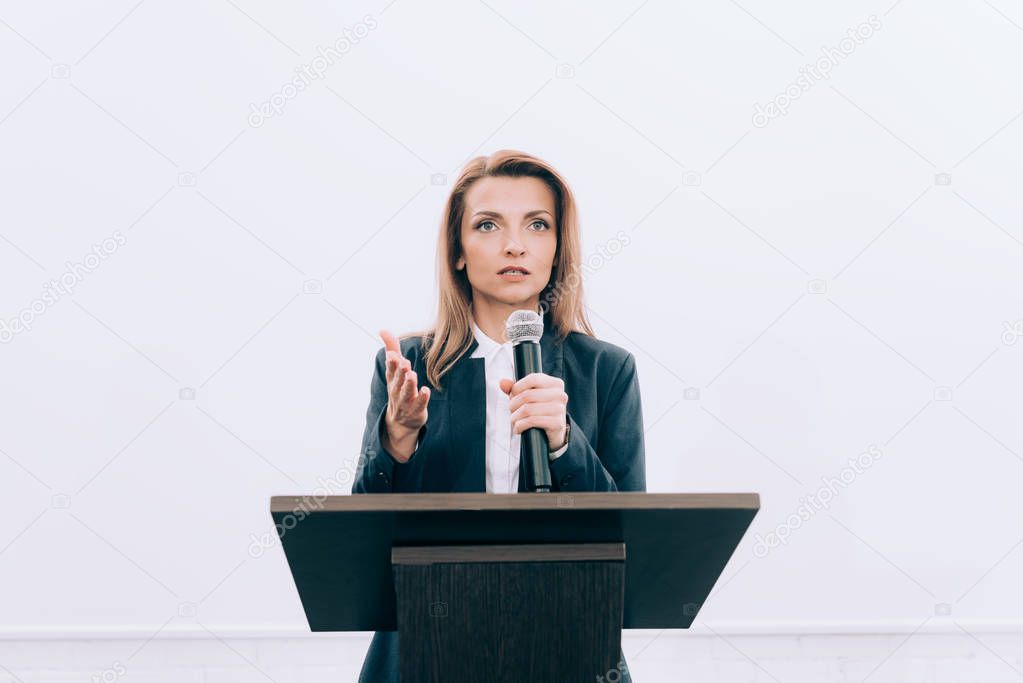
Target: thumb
{"x": 390, "y": 341}
{"x": 506, "y": 385}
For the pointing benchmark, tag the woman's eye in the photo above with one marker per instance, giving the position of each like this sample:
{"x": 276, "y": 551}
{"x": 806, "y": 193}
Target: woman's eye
{"x": 543, "y": 225}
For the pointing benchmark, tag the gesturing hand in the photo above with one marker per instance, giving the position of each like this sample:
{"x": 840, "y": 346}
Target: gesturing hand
{"x": 539, "y": 400}
{"x": 406, "y": 404}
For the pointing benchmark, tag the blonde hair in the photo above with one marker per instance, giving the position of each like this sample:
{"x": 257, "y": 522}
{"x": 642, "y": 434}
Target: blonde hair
{"x": 561, "y": 300}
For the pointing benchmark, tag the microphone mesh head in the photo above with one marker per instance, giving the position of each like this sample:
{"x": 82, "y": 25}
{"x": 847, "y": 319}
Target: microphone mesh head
{"x": 523, "y": 326}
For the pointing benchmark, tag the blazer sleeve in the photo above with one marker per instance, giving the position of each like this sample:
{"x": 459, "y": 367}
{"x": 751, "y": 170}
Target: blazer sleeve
{"x": 617, "y": 462}
{"x": 378, "y": 469}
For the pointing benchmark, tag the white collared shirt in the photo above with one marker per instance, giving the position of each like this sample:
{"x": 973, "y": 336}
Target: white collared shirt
{"x": 502, "y": 446}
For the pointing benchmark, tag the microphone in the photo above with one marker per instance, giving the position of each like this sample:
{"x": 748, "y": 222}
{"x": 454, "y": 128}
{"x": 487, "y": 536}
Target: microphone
{"x": 524, "y": 329}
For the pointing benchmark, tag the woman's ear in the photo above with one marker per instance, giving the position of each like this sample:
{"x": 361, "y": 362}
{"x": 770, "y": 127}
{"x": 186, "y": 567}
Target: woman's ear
{"x": 460, "y": 263}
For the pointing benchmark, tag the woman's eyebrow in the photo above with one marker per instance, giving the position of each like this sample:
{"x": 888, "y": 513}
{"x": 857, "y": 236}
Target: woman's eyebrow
{"x": 535, "y": 212}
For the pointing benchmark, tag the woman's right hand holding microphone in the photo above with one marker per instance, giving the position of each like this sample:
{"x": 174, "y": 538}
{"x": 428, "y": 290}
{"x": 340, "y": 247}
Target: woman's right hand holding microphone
{"x": 406, "y": 403}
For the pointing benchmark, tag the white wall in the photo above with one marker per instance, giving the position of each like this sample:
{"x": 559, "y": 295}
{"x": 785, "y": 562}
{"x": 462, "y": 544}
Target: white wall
{"x": 800, "y": 289}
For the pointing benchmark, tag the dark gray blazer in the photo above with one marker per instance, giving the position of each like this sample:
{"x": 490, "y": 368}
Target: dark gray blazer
{"x": 605, "y": 446}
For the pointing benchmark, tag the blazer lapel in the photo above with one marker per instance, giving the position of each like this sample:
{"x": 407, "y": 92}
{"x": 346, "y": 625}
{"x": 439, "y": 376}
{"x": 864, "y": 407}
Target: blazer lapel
{"x": 552, "y": 355}
{"x": 467, "y": 424}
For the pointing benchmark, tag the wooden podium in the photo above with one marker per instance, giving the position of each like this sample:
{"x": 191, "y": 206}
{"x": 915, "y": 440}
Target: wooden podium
{"x": 523, "y": 587}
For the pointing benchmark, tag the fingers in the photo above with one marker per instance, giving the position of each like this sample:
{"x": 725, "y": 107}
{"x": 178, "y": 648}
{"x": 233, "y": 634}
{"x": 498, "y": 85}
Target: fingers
{"x": 397, "y": 366}
{"x": 409, "y": 390}
{"x": 537, "y": 400}
{"x": 394, "y": 377}
{"x": 407, "y": 401}
{"x": 533, "y": 380}
{"x": 546, "y": 395}
{"x": 392, "y": 353}
{"x": 538, "y": 410}
{"x": 390, "y": 341}
{"x": 548, "y": 423}
{"x": 408, "y": 394}
{"x": 536, "y": 380}
{"x": 403, "y": 367}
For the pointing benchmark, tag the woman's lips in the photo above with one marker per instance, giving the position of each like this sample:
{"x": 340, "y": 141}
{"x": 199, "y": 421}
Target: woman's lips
{"x": 513, "y": 277}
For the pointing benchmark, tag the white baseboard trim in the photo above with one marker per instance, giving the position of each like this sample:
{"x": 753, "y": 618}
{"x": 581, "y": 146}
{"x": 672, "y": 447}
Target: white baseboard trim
{"x": 711, "y": 629}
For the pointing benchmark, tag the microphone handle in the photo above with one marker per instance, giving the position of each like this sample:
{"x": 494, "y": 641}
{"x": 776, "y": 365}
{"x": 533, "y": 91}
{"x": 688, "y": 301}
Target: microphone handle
{"x": 533, "y": 449}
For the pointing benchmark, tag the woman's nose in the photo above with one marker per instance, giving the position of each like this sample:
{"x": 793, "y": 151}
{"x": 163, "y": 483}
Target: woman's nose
{"x": 513, "y": 248}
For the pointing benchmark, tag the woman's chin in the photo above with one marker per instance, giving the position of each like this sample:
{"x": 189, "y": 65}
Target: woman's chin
{"x": 517, "y": 297}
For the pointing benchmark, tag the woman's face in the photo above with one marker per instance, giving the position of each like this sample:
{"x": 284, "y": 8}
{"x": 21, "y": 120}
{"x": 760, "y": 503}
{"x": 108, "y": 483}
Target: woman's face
{"x": 508, "y": 222}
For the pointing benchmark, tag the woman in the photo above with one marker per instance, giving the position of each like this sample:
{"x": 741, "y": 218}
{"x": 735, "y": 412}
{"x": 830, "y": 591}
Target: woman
{"x": 445, "y": 412}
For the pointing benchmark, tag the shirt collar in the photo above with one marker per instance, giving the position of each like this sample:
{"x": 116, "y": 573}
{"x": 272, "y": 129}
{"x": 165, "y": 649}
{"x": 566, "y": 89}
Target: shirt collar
{"x": 486, "y": 347}
{"x": 552, "y": 352}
